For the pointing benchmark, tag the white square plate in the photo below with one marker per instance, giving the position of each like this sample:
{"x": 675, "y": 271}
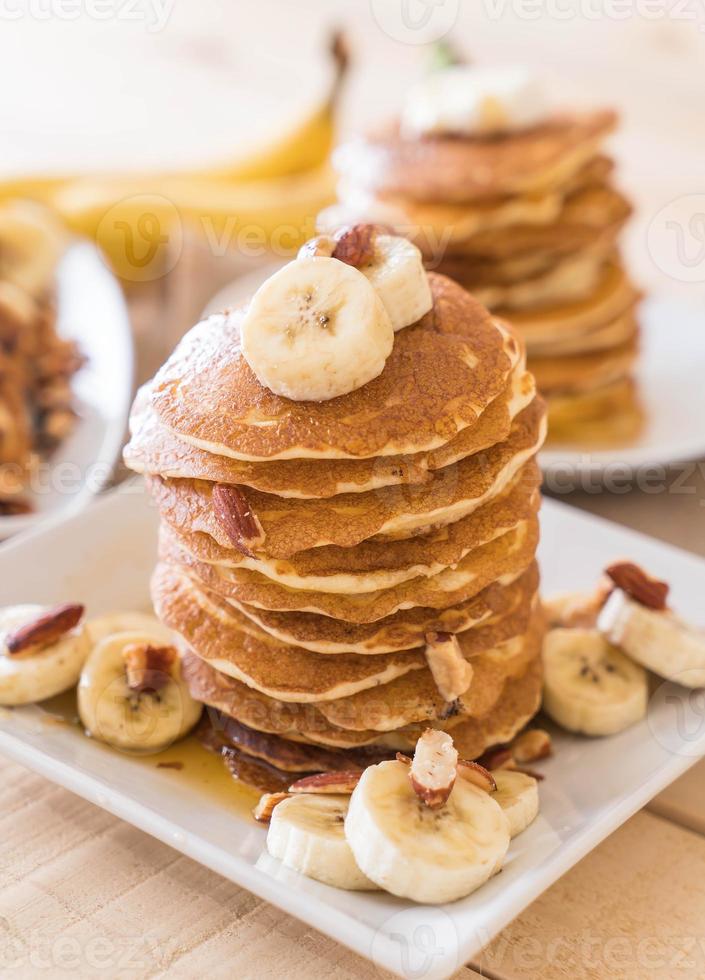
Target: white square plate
{"x": 104, "y": 557}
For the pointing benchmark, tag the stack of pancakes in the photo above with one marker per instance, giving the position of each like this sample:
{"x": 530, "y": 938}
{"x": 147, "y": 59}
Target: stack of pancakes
{"x": 528, "y": 221}
{"x": 311, "y": 551}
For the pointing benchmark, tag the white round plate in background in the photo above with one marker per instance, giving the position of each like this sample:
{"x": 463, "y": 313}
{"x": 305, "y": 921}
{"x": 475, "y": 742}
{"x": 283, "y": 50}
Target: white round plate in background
{"x": 91, "y": 310}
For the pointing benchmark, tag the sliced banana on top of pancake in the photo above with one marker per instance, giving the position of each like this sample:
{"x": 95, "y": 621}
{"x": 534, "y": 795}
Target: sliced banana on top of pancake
{"x": 42, "y": 651}
{"x": 315, "y": 330}
{"x": 463, "y": 100}
{"x": 590, "y": 686}
{"x": 131, "y": 693}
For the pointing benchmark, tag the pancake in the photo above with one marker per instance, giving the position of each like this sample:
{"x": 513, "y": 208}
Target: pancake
{"x": 507, "y": 553}
{"x": 605, "y": 417}
{"x": 292, "y": 525}
{"x": 157, "y": 450}
{"x": 621, "y": 330}
{"x": 414, "y": 697}
{"x": 613, "y": 296}
{"x": 436, "y": 227}
{"x": 585, "y": 372}
{"x": 378, "y": 564}
{"x": 441, "y": 375}
{"x": 451, "y": 169}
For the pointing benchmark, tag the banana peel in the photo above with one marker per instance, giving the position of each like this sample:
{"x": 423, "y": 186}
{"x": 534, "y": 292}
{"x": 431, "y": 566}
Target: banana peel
{"x": 139, "y": 224}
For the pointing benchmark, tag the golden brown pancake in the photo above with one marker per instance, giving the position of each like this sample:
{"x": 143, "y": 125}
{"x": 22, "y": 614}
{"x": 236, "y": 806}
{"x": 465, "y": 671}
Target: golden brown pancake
{"x": 157, "y": 450}
{"x": 621, "y": 330}
{"x": 441, "y": 375}
{"x": 585, "y": 372}
{"x": 508, "y": 553}
{"x": 605, "y": 417}
{"x": 451, "y": 169}
{"x": 293, "y": 525}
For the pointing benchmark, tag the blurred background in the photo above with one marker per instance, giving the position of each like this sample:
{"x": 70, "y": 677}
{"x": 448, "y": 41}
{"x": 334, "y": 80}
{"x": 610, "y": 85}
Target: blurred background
{"x": 189, "y": 139}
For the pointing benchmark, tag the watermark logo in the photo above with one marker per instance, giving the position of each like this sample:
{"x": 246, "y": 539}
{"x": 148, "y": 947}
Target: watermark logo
{"x": 676, "y": 238}
{"x": 676, "y": 715}
{"x": 143, "y": 237}
{"x": 420, "y": 941}
{"x": 415, "y": 21}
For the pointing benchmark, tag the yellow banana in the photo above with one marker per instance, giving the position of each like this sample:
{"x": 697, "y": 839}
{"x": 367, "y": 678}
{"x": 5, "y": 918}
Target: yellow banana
{"x": 139, "y": 222}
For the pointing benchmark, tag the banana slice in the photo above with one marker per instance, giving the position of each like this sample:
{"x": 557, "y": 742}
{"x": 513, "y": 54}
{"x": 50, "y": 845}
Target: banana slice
{"x": 31, "y": 243}
{"x": 307, "y": 834}
{"x": 38, "y": 673}
{"x": 315, "y": 330}
{"x": 590, "y": 686}
{"x": 121, "y": 622}
{"x": 656, "y": 639}
{"x": 132, "y": 698}
{"x": 399, "y": 279}
{"x": 468, "y": 101}
{"x": 518, "y": 796}
{"x": 414, "y": 851}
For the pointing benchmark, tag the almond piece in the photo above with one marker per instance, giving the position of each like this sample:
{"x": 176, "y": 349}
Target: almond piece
{"x": 235, "y": 516}
{"x": 147, "y": 667}
{"x": 476, "y": 774}
{"x": 46, "y": 629}
{"x": 638, "y": 585}
{"x": 355, "y": 245}
{"x": 321, "y": 245}
{"x": 451, "y": 671}
{"x": 265, "y": 808}
{"x": 499, "y": 758}
{"x": 328, "y": 782}
{"x": 531, "y": 745}
{"x": 434, "y": 768}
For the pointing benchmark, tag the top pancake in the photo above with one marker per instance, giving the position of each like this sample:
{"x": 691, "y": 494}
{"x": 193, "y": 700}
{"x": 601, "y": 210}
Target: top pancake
{"x": 441, "y": 375}
{"x": 452, "y": 169}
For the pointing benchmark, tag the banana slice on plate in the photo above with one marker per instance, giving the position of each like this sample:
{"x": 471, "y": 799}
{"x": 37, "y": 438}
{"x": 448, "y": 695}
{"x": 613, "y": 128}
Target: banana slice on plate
{"x": 518, "y": 795}
{"x": 316, "y": 329}
{"x": 655, "y": 638}
{"x": 590, "y": 686}
{"x": 131, "y": 693}
{"x": 42, "y": 652}
{"x": 428, "y": 854}
{"x": 307, "y": 834}
{"x": 120, "y": 622}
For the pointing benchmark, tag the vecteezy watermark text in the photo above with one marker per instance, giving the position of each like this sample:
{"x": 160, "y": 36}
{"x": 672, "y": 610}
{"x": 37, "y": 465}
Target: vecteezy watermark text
{"x": 153, "y": 13}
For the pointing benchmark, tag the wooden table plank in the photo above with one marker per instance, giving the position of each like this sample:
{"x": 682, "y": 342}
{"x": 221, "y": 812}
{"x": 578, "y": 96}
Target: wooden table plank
{"x": 633, "y": 909}
{"x": 85, "y": 894}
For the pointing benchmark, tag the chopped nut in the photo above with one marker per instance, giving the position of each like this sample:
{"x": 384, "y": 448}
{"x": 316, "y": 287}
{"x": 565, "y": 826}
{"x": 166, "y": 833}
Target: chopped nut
{"x": 476, "y": 774}
{"x": 578, "y": 609}
{"x": 265, "y": 808}
{"x": 147, "y": 667}
{"x": 638, "y": 585}
{"x": 46, "y": 629}
{"x": 355, "y": 245}
{"x": 235, "y": 515}
{"x": 15, "y": 506}
{"x": 500, "y": 758}
{"x": 451, "y": 671}
{"x": 434, "y": 768}
{"x": 531, "y": 745}
{"x": 328, "y": 782}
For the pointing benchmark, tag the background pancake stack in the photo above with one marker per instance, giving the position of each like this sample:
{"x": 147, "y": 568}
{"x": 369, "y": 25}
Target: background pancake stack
{"x": 344, "y": 573}
{"x": 528, "y": 221}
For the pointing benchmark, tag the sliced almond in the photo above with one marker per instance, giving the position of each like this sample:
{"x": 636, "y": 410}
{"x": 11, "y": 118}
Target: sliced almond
{"x": 237, "y": 519}
{"x": 638, "y": 585}
{"x": 328, "y": 782}
{"x": 46, "y": 629}
{"x": 265, "y": 808}
{"x": 451, "y": 672}
{"x": 531, "y": 745}
{"x": 476, "y": 774}
{"x": 434, "y": 767}
{"x": 147, "y": 667}
{"x": 499, "y": 758}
